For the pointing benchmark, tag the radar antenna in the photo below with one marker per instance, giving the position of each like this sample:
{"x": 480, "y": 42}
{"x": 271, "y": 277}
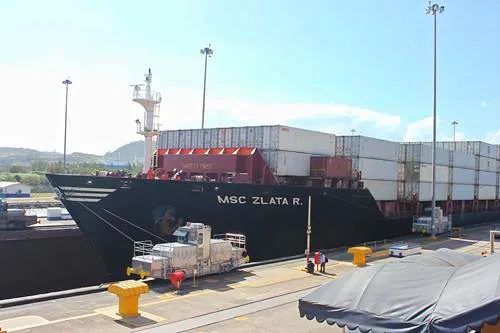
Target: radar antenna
{"x": 149, "y": 128}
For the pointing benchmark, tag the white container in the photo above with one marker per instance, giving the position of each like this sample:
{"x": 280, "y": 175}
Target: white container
{"x": 426, "y": 173}
{"x": 462, "y": 192}
{"x": 487, "y": 178}
{"x": 293, "y": 164}
{"x": 54, "y": 213}
{"x": 287, "y": 163}
{"x": 487, "y": 164}
{"x": 362, "y": 146}
{"x": 419, "y": 152}
{"x": 425, "y": 191}
{"x": 382, "y": 189}
{"x": 375, "y": 169}
{"x": 300, "y": 140}
{"x": 463, "y": 176}
{"x": 276, "y": 137}
{"x": 463, "y": 160}
{"x": 487, "y": 192}
{"x": 470, "y": 147}
{"x": 488, "y": 150}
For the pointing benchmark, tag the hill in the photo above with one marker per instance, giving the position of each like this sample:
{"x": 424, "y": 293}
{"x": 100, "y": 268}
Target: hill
{"x": 131, "y": 152}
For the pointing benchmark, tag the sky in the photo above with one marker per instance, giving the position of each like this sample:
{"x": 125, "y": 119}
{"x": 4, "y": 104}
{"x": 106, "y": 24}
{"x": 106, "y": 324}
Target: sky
{"x": 333, "y": 66}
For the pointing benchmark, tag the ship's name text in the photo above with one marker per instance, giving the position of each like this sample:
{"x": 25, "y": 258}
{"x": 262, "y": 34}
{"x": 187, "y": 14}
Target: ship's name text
{"x": 281, "y": 201}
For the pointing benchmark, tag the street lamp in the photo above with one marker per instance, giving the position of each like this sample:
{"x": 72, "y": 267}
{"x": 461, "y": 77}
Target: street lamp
{"x": 434, "y": 9}
{"x": 207, "y": 51}
{"x": 67, "y": 82}
{"x": 454, "y": 123}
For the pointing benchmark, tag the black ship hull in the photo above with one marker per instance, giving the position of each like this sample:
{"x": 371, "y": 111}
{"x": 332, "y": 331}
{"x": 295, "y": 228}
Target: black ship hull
{"x": 114, "y": 212}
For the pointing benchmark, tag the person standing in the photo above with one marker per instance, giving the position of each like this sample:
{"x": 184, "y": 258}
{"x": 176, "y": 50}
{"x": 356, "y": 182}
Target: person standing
{"x": 322, "y": 262}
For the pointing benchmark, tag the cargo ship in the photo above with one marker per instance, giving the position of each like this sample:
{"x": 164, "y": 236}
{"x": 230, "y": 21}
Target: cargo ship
{"x": 257, "y": 181}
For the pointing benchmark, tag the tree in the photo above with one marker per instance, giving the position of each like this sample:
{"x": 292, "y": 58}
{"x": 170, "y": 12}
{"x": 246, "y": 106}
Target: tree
{"x": 16, "y": 169}
{"x": 17, "y": 178}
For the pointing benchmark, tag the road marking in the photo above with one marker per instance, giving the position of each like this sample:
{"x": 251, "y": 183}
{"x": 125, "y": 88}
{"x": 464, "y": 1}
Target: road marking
{"x": 15, "y": 329}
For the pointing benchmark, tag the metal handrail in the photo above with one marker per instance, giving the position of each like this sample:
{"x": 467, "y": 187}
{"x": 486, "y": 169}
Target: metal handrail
{"x": 143, "y": 248}
{"x": 152, "y": 96}
{"x": 237, "y": 240}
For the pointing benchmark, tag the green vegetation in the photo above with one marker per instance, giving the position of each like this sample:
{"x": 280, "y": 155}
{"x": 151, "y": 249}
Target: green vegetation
{"x": 29, "y": 166}
{"x": 38, "y": 182}
{"x": 35, "y": 175}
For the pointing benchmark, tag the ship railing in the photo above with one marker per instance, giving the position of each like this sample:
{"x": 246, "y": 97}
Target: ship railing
{"x": 142, "y": 248}
{"x": 237, "y": 240}
{"x": 143, "y": 94}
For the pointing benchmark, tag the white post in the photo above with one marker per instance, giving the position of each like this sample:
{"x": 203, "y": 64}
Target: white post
{"x": 308, "y": 249}
{"x": 492, "y": 241}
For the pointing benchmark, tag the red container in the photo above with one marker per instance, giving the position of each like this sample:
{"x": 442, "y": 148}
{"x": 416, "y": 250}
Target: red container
{"x": 330, "y": 167}
{"x": 200, "y": 163}
{"x": 216, "y": 163}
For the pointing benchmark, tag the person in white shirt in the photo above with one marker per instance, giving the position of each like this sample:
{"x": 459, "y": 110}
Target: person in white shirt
{"x": 322, "y": 262}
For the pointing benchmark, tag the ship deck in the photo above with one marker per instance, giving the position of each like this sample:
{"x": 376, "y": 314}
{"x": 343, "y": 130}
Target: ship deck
{"x": 252, "y": 299}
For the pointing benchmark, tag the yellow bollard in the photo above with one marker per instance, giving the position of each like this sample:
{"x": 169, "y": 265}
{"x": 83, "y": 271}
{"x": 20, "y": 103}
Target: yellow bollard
{"x": 359, "y": 254}
{"x": 128, "y": 293}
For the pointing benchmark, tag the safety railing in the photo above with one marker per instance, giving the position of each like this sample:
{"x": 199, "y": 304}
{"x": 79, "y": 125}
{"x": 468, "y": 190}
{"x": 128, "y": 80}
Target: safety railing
{"x": 237, "y": 240}
{"x": 142, "y": 248}
{"x": 145, "y": 95}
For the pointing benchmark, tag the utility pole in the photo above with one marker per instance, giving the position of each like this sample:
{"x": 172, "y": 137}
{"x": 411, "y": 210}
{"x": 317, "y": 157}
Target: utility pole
{"x": 207, "y": 51}
{"x": 434, "y": 10}
{"x": 454, "y": 123}
{"x": 67, "y": 82}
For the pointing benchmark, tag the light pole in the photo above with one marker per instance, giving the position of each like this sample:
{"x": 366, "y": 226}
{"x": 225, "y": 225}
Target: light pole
{"x": 207, "y": 51}
{"x": 454, "y": 123}
{"x": 67, "y": 82}
{"x": 434, "y": 9}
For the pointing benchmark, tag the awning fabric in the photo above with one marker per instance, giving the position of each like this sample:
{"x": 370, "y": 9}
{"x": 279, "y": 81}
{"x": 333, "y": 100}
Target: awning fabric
{"x": 442, "y": 291}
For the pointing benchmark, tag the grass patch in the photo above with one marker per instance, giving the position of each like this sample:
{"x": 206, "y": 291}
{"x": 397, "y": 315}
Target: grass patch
{"x": 43, "y": 195}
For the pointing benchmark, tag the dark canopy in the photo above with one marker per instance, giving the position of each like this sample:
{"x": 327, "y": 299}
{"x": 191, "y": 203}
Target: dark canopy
{"x": 443, "y": 291}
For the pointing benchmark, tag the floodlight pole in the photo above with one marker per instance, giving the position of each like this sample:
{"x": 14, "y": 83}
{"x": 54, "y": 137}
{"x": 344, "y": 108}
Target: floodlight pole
{"x": 207, "y": 51}
{"x": 434, "y": 9}
{"x": 67, "y": 82}
{"x": 454, "y": 123}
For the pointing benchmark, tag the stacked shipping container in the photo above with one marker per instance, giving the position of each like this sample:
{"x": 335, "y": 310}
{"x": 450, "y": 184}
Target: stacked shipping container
{"x": 287, "y": 150}
{"x": 390, "y": 170}
{"x": 473, "y": 170}
{"x": 377, "y": 160}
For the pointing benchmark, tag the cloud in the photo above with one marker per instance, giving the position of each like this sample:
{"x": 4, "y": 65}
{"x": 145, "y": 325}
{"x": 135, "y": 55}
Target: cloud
{"x": 101, "y": 113}
{"x": 232, "y": 111}
{"x": 421, "y": 130}
{"x": 493, "y": 137}
{"x": 484, "y": 104}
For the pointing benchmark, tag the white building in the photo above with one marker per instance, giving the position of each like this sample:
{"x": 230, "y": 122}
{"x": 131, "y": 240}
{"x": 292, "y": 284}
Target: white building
{"x": 14, "y": 189}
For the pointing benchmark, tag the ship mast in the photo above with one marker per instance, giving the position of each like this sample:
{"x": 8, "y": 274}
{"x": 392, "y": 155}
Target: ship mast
{"x": 150, "y": 101}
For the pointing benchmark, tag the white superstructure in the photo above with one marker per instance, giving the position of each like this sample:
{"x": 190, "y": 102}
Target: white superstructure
{"x": 149, "y": 127}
